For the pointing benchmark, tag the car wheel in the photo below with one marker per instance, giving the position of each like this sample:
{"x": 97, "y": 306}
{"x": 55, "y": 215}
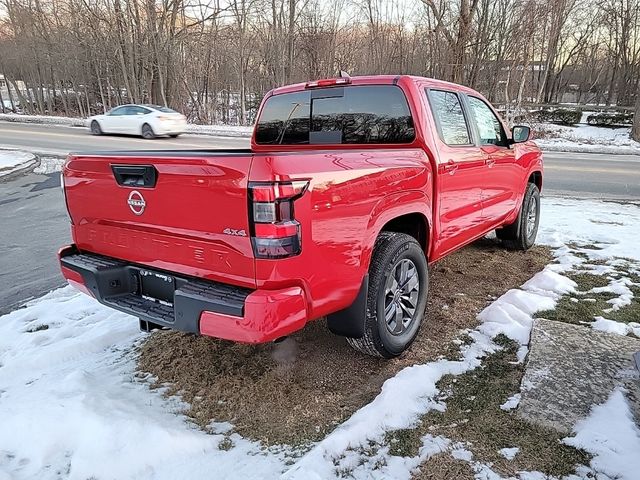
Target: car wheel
{"x": 396, "y": 298}
{"x": 174, "y": 135}
{"x": 521, "y": 234}
{"x": 147, "y": 132}
{"x": 95, "y": 128}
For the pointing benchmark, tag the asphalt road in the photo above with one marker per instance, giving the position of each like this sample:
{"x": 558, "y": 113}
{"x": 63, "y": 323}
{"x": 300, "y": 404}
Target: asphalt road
{"x": 33, "y": 225}
{"x": 61, "y": 140}
{"x": 33, "y": 220}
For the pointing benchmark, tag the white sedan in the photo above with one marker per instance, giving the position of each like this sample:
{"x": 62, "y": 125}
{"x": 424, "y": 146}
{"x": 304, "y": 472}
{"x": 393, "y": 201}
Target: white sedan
{"x": 148, "y": 121}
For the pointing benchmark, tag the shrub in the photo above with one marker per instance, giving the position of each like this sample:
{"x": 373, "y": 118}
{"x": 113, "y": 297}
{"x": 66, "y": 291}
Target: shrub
{"x": 610, "y": 119}
{"x": 560, "y": 116}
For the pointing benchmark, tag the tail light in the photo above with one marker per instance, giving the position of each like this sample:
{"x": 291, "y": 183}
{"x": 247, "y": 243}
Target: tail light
{"x": 64, "y": 195}
{"x": 275, "y": 233}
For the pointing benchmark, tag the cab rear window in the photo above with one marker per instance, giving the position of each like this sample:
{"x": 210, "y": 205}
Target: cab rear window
{"x": 362, "y": 114}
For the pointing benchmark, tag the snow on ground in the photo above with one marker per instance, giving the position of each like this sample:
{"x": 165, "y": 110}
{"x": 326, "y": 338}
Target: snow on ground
{"x": 512, "y": 402}
{"x": 50, "y": 165}
{"x": 12, "y": 160}
{"x": 72, "y": 406}
{"x": 611, "y": 326}
{"x": 215, "y": 130}
{"x": 509, "y": 453}
{"x": 588, "y": 139}
{"x": 612, "y": 437}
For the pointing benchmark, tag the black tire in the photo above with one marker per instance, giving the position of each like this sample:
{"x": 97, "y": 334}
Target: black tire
{"x": 521, "y": 234}
{"x": 174, "y": 135}
{"x": 95, "y": 128}
{"x": 391, "y": 253}
{"x": 147, "y": 132}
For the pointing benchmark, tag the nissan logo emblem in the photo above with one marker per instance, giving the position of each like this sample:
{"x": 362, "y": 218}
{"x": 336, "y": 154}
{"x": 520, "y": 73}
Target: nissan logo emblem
{"x": 136, "y": 202}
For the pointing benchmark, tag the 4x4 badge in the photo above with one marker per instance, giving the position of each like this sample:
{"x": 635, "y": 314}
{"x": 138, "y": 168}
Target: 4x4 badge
{"x": 136, "y": 202}
{"x": 237, "y": 233}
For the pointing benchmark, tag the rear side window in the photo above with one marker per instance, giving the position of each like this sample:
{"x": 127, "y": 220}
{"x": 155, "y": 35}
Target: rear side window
{"x": 338, "y": 115}
{"x": 163, "y": 109}
{"x": 449, "y": 116}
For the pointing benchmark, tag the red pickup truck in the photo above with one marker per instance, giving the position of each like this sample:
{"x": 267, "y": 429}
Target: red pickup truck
{"x": 350, "y": 188}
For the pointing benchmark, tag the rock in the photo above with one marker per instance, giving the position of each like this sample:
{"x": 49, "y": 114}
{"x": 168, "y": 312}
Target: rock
{"x": 573, "y": 367}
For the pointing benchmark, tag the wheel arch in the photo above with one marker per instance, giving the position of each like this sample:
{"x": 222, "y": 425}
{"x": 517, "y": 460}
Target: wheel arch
{"x": 404, "y": 212}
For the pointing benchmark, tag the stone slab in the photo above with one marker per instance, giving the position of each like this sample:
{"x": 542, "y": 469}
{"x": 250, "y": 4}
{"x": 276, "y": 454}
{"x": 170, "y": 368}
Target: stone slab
{"x": 572, "y": 368}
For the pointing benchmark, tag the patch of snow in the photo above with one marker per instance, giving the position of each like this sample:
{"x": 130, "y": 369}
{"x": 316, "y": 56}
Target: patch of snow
{"x": 509, "y": 453}
{"x": 461, "y": 453}
{"x": 620, "y": 287}
{"x": 70, "y": 403}
{"x": 13, "y": 160}
{"x": 522, "y": 353}
{"x": 611, "y": 436}
{"x": 611, "y": 326}
{"x": 612, "y": 227}
{"x": 49, "y": 165}
{"x": 512, "y": 402}
{"x": 588, "y": 139}
{"x": 512, "y": 313}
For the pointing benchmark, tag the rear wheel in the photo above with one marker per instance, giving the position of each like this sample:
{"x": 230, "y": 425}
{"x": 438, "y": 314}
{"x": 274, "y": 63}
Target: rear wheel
{"x": 95, "y": 128}
{"x": 397, "y": 296}
{"x": 147, "y": 132}
{"x": 521, "y": 234}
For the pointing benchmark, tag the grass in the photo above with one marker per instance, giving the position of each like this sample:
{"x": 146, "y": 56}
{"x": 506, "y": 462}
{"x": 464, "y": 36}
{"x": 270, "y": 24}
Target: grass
{"x": 473, "y": 415}
{"x": 578, "y": 309}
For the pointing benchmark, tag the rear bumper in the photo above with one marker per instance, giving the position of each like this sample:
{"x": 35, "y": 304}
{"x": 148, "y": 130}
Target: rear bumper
{"x": 169, "y": 129}
{"x": 190, "y": 305}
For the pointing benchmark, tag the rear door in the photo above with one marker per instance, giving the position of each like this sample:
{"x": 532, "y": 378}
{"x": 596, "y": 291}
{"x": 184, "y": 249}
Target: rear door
{"x": 180, "y": 212}
{"x": 134, "y": 118}
{"x": 499, "y": 192}
{"x": 460, "y": 172}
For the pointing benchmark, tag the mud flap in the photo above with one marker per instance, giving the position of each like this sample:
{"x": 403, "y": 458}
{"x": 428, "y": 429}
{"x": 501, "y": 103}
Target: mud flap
{"x": 350, "y": 321}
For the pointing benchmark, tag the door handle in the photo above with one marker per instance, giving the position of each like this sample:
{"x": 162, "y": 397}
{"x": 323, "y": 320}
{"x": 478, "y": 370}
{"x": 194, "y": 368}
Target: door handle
{"x": 450, "y": 167}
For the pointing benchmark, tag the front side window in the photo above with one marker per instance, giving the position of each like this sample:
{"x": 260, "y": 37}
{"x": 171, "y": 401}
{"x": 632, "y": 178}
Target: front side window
{"x": 366, "y": 114}
{"x": 118, "y": 111}
{"x": 489, "y": 127}
{"x": 447, "y": 110}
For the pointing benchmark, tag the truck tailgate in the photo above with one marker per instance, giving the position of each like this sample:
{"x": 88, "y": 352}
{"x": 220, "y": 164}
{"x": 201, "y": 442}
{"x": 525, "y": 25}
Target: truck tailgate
{"x": 184, "y": 212}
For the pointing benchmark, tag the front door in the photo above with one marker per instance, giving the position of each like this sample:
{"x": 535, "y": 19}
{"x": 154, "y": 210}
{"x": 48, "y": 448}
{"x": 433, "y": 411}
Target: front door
{"x": 461, "y": 167}
{"x": 499, "y": 188}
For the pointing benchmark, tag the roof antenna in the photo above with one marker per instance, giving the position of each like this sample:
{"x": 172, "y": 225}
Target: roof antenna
{"x": 344, "y": 74}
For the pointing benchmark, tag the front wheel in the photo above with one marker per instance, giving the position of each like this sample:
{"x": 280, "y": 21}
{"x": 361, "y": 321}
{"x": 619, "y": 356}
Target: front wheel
{"x": 521, "y": 234}
{"x": 147, "y": 132}
{"x": 397, "y": 296}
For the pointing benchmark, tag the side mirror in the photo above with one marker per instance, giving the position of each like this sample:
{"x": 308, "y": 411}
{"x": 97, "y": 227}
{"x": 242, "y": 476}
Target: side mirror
{"x": 520, "y": 133}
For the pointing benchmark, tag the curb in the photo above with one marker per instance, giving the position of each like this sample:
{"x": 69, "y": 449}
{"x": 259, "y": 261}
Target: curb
{"x": 21, "y": 169}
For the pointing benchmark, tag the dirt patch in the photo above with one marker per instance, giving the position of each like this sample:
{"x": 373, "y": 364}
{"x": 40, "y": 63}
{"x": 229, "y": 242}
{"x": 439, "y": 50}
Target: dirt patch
{"x": 297, "y": 391}
{"x": 444, "y": 467}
